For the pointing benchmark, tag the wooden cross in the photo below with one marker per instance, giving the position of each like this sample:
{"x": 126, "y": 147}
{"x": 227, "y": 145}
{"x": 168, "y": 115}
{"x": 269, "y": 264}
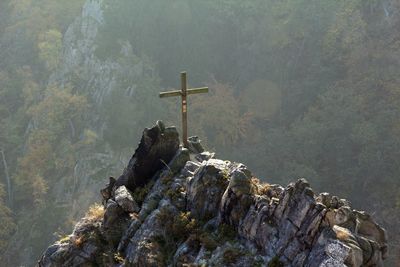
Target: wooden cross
{"x": 183, "y": 93}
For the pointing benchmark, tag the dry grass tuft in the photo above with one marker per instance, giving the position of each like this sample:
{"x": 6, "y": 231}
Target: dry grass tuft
{"x": 342, "y": 234}
{"x": 134, "y": 216}
{"x": 78, "y": 241}
{"x": 262, "y": 188}
{"x": 95, "y": 212}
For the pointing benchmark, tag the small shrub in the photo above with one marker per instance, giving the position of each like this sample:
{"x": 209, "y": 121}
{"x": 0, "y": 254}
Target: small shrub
{"x": 226, "y": 232}
{"x": 78, "y": 241}
{"x": 255, "y": 180}
{"x": 225, "y": 174}
{"x": 174, "y": 195}
{"x": 258, "y": 262}
{"x": 65, "y": 239}
{"x": 176, "y": 230}
{"x": 275, "y": 262}
{"x": 262, "y": 188}
{"x": 183, "y": 225}
{"x": 118, "y": 258}
{"x": 140, "y": 193}
{"x": 167, "y": 179}
{"x": 208, "y": 241}
{"x": 231, "y": 255}
{"x": 95, "y": 212}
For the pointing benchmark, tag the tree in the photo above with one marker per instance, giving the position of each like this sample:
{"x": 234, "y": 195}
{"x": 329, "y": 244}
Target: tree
{"x": 7, "y": 226}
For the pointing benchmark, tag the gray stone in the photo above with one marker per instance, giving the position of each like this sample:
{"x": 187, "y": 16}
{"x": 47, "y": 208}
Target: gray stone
{"x": 235, "y": 221}
{"x": 204, "y": 156}
{"x": 178, "y": 162}
{"x": 205, "y": 189}
{"x": 125, "y": 200}
{"x": 195, "y": 145}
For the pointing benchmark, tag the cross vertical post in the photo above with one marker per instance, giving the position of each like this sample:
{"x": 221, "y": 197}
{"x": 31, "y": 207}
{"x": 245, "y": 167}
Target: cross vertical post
{"x": 183, "y": 93}
{"x": 184, "y": 109}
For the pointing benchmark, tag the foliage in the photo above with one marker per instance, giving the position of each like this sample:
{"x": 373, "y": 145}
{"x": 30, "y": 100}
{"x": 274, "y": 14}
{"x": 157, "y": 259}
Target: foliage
{"x": 140, "y": 193}
{"x": 226, "y": 232}
{"x": 175, "y": 230}
{"x": 297, "y": 88}
{"x": 50, "y": 48}
{"x": 275, "y": 262}
{"x": 227, "y": 128}
{"x": 49, "y": 151}
{"x": 231, "y": 255}
{"x": 8, "y": 226}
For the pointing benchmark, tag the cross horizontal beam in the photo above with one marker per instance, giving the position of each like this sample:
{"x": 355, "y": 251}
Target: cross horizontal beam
{"x": 192, "y": 91}
{"x": 183, "y": 93}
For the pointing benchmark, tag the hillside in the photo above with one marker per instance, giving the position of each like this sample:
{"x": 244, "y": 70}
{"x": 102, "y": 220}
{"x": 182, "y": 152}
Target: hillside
{"x": 201, "y": 211}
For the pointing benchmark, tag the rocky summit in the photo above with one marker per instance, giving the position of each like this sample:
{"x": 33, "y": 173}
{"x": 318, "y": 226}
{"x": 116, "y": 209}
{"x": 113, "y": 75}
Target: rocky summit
{"x": 174, "y": 206}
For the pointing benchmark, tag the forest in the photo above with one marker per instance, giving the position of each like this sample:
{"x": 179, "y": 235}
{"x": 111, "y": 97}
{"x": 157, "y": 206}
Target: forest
{"x": 298, "y": 88}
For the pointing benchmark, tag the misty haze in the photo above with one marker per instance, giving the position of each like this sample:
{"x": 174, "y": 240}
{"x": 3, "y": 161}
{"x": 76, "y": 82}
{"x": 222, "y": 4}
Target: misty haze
{"x": 296, "y": 89}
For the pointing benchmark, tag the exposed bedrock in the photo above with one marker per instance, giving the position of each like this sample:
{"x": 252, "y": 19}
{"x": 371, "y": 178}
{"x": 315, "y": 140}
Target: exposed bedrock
{"x": 175, "y": 207}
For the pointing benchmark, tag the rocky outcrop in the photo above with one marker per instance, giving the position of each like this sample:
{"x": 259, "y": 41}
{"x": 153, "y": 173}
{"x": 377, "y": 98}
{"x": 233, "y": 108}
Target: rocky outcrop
{"x": 156, "y": 148}
{"x": 175, "y": 207}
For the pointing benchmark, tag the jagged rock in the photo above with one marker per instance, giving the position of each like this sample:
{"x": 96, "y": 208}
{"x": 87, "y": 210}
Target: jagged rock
{"x": 238, "y": 196}
{"x": 82, "y": 248}
{"x": 144, "y": 248}
{"x": 205, "y": 189}
{"x": 186, "y": 252}
{"x": 195, "y": 145}
{"x": 125, "y": 200}
{"x": 106, "y": 192}
{"x": 156, "y": 149}
{"x": 204, "y": 156}
{"x": 179, "y": 161}
{"x": 115, "y": 223}
{"x": 204, "y": 211}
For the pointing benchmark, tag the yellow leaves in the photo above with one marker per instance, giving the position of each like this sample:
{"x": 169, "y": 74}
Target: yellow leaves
{"x": 217, "y": 115}
{"x": 39, "y": 189}
{"x": 39, "y": 153}
{"x": 50, "y": 45}
{"x": 49, "y": 150}
{"x": 58, "y": 107}
{"x": 31, "y": 90}
{"x": 33, "y": 166}
{"x": 7, "y": 225}
{"x": 90, "y": 137}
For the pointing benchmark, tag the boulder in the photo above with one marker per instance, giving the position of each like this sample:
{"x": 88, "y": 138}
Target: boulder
{"x": 205, "y": 189}
{"x": 125, "y": 200}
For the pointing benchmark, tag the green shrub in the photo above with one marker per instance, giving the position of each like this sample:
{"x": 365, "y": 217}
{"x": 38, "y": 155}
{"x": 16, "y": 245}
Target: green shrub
{"x": 231, "y": 255}
{"x": 275, "y": 262}
{"x": 140, "y": 193}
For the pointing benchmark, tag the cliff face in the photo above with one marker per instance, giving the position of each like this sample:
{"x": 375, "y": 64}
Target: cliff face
{"x": 178, "y": 207}
{"x": 97, "y": 79}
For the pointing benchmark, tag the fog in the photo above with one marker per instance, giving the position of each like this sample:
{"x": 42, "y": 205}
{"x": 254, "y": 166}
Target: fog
{"x": 297, "y": 88}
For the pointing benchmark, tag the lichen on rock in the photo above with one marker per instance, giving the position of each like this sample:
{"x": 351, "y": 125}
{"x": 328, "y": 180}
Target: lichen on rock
{"x": 195, "y": 210}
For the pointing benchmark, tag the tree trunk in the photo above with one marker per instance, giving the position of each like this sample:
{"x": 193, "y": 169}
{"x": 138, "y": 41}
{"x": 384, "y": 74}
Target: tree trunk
{"x": 7, "y": 178}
